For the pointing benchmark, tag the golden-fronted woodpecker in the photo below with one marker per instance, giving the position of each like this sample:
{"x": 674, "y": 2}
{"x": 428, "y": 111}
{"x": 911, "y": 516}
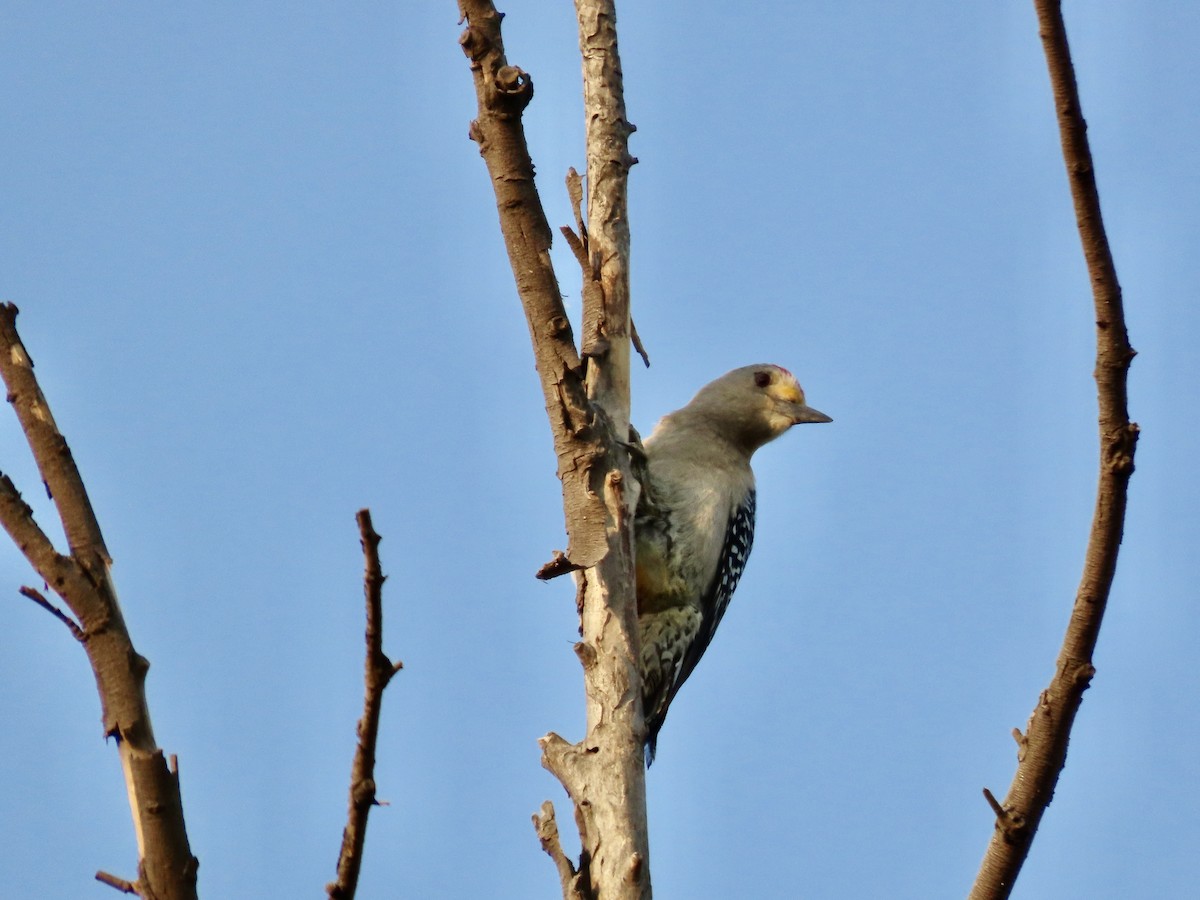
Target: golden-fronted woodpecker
{"x": 695, "y": 520}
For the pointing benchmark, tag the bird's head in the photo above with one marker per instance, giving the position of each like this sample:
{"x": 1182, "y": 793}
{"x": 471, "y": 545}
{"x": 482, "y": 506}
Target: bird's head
{"x": 755, "y": 404}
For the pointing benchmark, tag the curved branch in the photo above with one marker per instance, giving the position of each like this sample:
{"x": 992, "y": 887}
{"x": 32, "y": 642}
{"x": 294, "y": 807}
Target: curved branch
{"x": 1042, "y": 750}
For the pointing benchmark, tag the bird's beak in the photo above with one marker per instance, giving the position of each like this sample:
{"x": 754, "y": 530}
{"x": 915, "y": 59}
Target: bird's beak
{"x": 806, "y": 415}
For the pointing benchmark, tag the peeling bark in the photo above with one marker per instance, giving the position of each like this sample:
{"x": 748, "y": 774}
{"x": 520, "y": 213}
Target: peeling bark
{"x": 587, "y": 402}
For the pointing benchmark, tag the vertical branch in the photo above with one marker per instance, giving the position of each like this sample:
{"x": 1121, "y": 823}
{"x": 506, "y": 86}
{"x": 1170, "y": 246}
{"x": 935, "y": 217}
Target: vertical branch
{"x": 613, "y": 823}
{"x": 1042, "y": 750}
{"x": 589, "y": 417}
{"x": 608, "y": 164}
{"x": 379, "y": 671}
{"x": 166, "y": 867}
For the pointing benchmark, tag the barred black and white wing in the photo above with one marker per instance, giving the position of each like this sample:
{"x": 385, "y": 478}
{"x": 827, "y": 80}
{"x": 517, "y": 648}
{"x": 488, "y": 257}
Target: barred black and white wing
{"x": 739, "y": 538}
{"x": 674, "y": 641}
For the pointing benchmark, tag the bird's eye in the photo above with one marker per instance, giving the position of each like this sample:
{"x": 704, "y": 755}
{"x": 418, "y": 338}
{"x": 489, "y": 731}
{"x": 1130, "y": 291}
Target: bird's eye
{"x": 762, "y": 379}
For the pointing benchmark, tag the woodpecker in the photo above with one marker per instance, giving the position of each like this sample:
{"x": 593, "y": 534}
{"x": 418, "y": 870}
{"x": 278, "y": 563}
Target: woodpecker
{"x": 695, "y": 520}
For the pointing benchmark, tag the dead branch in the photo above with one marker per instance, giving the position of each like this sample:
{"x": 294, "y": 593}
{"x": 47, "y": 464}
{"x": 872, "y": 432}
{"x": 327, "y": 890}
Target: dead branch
{"x": 1042, "y": 750}
{"x": 546, "y": 826}
{"x": 603, "y": 774}
{"x": 38, "y": 598}
{"x": 379, "y": 671}
{"x": 503, "y": 92}
{"x": 113, "y": 881}
{"x": 166, "y": 868}
{"x": 614, "y": 833}
{"x": 608, "y": 164}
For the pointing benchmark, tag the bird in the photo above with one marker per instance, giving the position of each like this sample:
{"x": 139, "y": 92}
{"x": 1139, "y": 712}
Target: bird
{"x": 694, "y": 522}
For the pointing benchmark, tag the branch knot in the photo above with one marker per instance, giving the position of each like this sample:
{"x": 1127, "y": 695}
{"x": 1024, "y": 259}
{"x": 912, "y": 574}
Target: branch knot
{"x": 514, "y": 89}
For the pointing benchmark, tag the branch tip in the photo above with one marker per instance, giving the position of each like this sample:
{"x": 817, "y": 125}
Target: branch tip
{"x": 552, "y": 742}
{"x": 546, "y": 827}
{"x": 125, "y": 887}
{"x": 378, "y": 672}
{"x": 72, "y": 625}
{"x": 558, "y": 565}
{"x": 637, "y": 343}
{"x": 1000, "y": 811}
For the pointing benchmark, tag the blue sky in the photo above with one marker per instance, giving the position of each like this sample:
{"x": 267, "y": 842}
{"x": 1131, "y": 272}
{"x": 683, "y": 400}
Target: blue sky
{"x": 261, "y": 276}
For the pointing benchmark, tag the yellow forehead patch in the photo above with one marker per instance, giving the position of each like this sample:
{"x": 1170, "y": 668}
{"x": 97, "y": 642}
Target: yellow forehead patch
{"x": 787, "y": 390}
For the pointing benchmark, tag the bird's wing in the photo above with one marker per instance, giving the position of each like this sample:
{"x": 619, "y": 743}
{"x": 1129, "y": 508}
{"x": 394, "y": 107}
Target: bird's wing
{"x": 668, "y": 675}
{"x": 739, "y": 538}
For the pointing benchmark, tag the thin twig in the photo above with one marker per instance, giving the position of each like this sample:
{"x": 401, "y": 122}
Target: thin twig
{"x": 1042, "y": 750}
{"x": 595, "y": 343}
{"x": 113, "y": 881}
{"x": 61, "y": 571}
{"x": 637, "y": 343}
{"x": 72, "y": 625}
{"x": 379, "y": 671}
{"x": 1000, "y": 811}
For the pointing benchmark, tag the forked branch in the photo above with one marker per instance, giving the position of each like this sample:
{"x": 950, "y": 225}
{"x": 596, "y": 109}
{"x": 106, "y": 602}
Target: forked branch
{"x": 587, "y": 402}
{"x": 1042, "y": 750}
{"x": 166, "y": 867}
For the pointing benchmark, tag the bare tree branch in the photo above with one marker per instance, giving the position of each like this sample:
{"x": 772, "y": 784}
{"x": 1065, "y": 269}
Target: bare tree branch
{"x": 613, "y": 831}
{"x": 125, "y": 887}
{"x": 503, "y": 92}
{"x": 18, "y": 521}
{"x": 40, "y": 600}
{"x": 604, "y": 774}
{"x": 50, "y": 451}
{"x": 379, "y": 670}
{"x": 166, "y": 868}
{"x": 546, "y": 825}
{"x": 608, "y": 164}
{"x": 1042, "y": 750}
